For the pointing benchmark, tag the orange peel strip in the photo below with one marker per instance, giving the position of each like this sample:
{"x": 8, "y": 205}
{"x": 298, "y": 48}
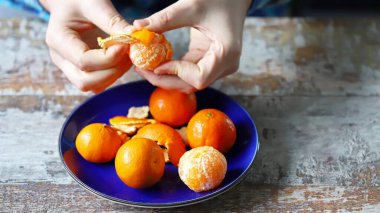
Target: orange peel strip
{"x": 116, "y": 39}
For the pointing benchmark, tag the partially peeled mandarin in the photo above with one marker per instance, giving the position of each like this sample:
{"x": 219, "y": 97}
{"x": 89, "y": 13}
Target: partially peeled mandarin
{"x": 147, "y": 49}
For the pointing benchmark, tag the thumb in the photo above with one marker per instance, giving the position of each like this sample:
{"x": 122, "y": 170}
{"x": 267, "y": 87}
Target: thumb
{"x": 179, "y": 14}
{"x": 105, "y": 16}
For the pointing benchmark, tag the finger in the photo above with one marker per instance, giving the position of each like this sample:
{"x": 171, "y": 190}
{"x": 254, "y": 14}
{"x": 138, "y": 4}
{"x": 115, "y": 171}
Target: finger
{"x": 89, "y": 81}
{"x": 193, "y": 56}
{"x": 179, "y": 14}
{"x": 199, "y": 75}
{"x": 199, "y": 44}
{"x": 69, "y": 45}
{"x": 187, "y": 71}
{"x": 99, "y": 59}
{"x": 166, "y": 81}
{"x": 106, "y": 17}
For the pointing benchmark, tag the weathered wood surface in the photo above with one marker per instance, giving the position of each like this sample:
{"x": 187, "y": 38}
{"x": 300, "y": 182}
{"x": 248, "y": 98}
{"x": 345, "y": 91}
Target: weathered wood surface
{"x": 246, "y": 197}
{"x": 311, "y": 86}
{"x": 316, "y": 153}
{"x": 280, "y": 57}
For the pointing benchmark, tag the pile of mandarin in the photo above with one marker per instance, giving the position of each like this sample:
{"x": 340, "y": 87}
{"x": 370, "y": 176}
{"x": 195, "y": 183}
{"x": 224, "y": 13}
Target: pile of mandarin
{"x": 169, "y": 130}
{"x": 194, "y": 141}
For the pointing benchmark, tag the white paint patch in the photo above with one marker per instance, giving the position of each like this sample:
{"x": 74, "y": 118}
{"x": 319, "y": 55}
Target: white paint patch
{"x": 299, "y": 40}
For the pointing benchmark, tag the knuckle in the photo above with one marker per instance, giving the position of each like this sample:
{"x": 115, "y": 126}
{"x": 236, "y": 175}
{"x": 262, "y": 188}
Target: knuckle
{"x": 197, "y": 7}
{"x": 154, "y": 82}
{"x": 235, "y": 66}
{"x": 114, "y": 20}
{"x": 82, "y": 65}
{"x": 235, "y": 50}
{"x": 84, "y": 86}
{"x": 165, "y": 17}
{"x": 200, "y": 84}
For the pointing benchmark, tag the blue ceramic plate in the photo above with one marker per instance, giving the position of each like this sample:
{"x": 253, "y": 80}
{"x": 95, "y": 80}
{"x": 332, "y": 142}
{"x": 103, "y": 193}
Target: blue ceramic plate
{"x": 102, "y": 180}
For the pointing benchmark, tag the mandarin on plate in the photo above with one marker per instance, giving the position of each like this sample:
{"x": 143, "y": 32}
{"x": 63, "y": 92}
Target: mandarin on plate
{"x": 202, "y": 168}
{"x": 98, "y": 143}
{"x": 211, "y": 127}
{"x": 166, "y": 137}
{"x": 172, "y": 107}
{"x": 140, "y": 163}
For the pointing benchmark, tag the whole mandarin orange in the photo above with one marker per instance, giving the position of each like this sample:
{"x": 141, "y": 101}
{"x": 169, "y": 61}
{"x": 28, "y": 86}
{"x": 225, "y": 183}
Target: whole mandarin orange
{"x": 98, "y": 143}
{"x": 172, "y": 107}
{"x": 152, "y": 50}
{"x": 165, "y": 136}
{"x": 211, "y": 127}
{"x": 140, "y": 163}
{"x": 202, "y": 168}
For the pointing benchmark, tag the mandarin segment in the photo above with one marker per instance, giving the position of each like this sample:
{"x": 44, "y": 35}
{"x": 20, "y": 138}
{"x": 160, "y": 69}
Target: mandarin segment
{"x": 152, "y": 50}
{"x": 98, "y": 143}
{"x": 202, "y": 168}
{"x": 147, "y": 37}
{"x": 211, "y": 127}
{"x": 140, "y": 163}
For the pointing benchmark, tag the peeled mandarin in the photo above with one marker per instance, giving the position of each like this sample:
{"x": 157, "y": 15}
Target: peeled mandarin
{"x": 202, "y": 168}
{"x": 152, "y": 50}
{"x": 147, "y": 49}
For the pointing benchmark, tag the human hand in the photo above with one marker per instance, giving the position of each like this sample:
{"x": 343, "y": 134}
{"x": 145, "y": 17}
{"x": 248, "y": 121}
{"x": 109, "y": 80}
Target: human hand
{"x": 71, "y": 38}
{"x": 215, "y": 42}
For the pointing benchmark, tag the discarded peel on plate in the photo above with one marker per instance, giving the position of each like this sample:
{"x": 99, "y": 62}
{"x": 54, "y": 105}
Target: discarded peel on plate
{"x": 147, "y": 49}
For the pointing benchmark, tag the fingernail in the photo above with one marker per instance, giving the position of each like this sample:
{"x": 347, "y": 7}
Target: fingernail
{"x": 141, "y": 22}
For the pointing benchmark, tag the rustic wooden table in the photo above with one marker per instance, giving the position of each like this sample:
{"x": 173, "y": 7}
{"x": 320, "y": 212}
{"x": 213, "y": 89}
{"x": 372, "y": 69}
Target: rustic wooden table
{"x": 311, "y": 85}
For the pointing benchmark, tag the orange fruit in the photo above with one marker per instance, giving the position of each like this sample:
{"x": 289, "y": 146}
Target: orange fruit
{"x": 140, "y": 163}
{"x": 202, "y": 168}
{"x": 172, "y": 107}
{"x": 211, "y": 127}
{"x": 98, "y": 143}
{"x": 152, "y": 49}
{"x": 166, "y": 137}
{"x": 147, "y": 49}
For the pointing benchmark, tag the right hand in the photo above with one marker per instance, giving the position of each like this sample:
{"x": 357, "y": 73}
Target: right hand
{"x": 71, "y": 38}
{"x": 215, "y": 42}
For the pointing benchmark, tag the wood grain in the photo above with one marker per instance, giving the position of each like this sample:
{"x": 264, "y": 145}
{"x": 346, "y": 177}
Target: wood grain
{"x": 304, "y": 140}
{"x": 246, "y": 197}
{"x": 311, "y": 85}
{"x": 279, "y": 57}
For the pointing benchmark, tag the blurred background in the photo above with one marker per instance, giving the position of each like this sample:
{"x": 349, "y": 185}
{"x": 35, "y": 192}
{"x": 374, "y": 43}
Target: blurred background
{"x": 276, "y": 8}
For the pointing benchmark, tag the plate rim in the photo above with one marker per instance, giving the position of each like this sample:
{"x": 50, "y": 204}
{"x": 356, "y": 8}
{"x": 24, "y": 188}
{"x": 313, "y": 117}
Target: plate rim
{"x": 239, "y": 179}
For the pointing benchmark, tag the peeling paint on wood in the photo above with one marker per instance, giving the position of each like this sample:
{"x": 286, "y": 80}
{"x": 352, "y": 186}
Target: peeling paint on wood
{"x": 245, "y": 198}
{"x": 304, "y": 140}
{"x": 311, "y": 85}
{"x": 280, "y": 57}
